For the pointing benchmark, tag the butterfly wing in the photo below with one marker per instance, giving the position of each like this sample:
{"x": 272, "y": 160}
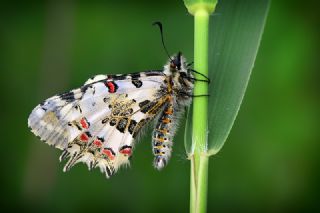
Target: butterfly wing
{"x": 97, "y": 123}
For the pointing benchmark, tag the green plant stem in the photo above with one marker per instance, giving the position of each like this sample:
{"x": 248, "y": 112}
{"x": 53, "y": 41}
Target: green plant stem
{"x": 199, "y": 160}
{"x": 193, "y": 190}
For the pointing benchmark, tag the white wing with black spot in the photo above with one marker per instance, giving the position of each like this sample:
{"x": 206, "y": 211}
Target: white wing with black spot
{"x": 97, "y": 123}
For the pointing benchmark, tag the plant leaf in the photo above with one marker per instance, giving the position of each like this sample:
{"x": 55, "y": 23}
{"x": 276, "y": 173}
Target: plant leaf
{"x": 235, "y": 33}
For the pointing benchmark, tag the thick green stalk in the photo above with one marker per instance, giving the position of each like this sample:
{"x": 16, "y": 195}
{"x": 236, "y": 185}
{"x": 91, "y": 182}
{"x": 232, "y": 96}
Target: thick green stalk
{"x": 201, "y": 10}
{"x": 199, "y": 159}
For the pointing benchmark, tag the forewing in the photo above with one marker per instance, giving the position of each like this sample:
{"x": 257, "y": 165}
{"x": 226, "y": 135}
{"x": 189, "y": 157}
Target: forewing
{"x": 98, "y": 122}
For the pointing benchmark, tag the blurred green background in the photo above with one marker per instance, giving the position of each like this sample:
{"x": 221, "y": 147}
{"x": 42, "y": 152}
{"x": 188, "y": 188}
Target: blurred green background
{"x": 270, "y": 162}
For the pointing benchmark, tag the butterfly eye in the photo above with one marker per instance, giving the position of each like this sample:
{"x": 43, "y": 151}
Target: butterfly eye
{"x": 175, "y": 65}
{"x": 183, "y": 74}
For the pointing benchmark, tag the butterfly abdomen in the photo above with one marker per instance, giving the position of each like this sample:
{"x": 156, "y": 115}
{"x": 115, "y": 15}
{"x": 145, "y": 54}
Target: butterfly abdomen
{"x": 163, "y": 135}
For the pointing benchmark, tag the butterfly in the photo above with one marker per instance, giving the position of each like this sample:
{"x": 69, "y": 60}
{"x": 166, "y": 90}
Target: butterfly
{"x": 98, "y": 123}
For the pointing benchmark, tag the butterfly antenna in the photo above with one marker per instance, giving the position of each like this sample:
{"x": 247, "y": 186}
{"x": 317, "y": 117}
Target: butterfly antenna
{"x": 164, "y": 46}
{"x": 192, "y": 70}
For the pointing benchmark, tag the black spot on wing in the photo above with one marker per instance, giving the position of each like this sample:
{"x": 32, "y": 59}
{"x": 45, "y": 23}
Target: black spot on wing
{"x": 143, "y": 103}
{"x": 118, "y": 77}
{"x": 122, "y": 124}
{"x": 43, "y": 107}
{"x": 137, "y": 83}
{"x": 105, "y": 120}
{"x": 77, "y": 107}
{"x": 68, "y": 97}
{"x": 113, "y": 122}
{"x": 135, "y": 75}
{"x": 127, "y": 112}
{"x": 85, "y": 87}
{"x": 132, "y": 125}
{"x": 125, "y": 147}
{"x": 89, "y": 134}
{"x": 101, "y": 139}
{"x": 146, "y": 106}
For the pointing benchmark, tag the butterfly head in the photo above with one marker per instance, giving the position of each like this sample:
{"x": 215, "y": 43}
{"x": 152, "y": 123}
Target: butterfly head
{"x": 175, "y": 62}
{"x": 179, "y": 67}
{"x": 180, "y": 73}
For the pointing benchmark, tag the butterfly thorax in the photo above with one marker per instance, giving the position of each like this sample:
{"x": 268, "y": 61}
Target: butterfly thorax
{"x": 180, "y": 79}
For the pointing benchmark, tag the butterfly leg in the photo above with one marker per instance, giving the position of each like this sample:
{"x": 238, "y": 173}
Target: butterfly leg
{"x": 162, "y": 137}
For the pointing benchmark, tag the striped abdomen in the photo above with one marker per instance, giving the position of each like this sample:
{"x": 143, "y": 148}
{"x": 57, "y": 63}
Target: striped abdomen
{"x": 162, "y": 136}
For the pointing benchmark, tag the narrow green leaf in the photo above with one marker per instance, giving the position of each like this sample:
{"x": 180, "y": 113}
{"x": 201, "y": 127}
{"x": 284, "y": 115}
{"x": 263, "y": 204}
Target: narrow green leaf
{"x": 235, "y": 33}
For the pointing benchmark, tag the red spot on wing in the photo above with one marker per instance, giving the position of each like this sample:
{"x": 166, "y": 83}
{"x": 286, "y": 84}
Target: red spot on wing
{"x": 84, "y": 137}
{"x": 108, "y": 153}
{"x": 84, "y": 123}
{"x": 111, "y": 87}
{"x": 97, "y": 142}
{"x": 126, "y": 151}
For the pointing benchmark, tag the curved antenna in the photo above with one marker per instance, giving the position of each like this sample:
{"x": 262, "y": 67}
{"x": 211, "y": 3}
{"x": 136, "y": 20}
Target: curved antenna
{"x": 207, "y": 79}
{"x": 164, "y": 46}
